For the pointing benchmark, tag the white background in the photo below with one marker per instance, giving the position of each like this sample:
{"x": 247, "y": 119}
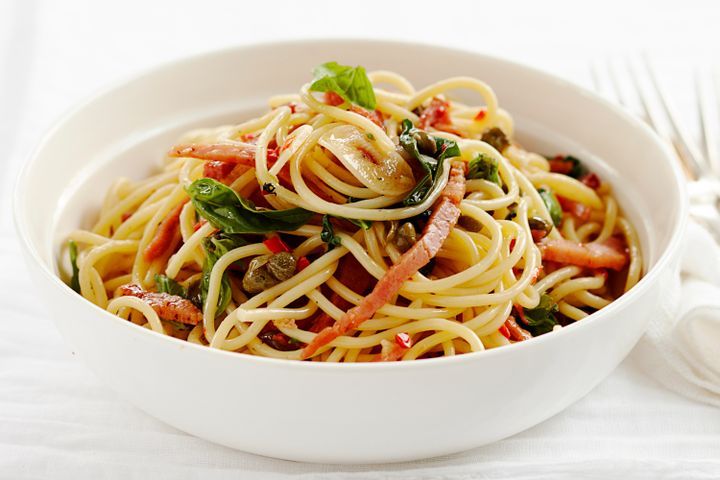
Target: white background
{"x": 58, "y": 421}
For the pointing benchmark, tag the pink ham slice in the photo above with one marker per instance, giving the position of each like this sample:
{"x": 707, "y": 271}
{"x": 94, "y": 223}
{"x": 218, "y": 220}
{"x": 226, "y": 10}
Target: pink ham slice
{"x": 163, "y": 240}
{"x": 221, "y": 152}
{"x": 168, "y": 307}
{"x": 444, "y": 217}
{"x": 609, "y": 254}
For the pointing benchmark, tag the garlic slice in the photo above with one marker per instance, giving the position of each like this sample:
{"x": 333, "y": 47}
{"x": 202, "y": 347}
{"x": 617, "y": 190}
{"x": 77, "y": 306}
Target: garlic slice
{"x": 386, "y": 174}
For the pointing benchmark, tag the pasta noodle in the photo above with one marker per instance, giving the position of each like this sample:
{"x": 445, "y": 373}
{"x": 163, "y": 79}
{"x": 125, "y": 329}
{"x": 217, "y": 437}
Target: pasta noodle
{"x": 359, "y": 222}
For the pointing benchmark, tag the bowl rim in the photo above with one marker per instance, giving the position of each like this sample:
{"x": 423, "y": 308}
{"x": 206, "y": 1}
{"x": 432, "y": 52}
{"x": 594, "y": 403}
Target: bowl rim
{"x": 647, "y": 280}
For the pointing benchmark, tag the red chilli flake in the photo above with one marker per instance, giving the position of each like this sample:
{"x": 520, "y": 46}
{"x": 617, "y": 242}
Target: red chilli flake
{"x": 591, "y": 180}
{"x": 286, "y": 145}
{"x": 504, "y": 331}
{"x": 302, "y": 264}
{"x": 276, "y": 245}
{"x": 403, "y": 339}
{"x": 481, "y": 115}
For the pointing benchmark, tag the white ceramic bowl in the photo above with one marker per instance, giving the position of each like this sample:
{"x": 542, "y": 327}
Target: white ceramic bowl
{"x": 335, "y": 412}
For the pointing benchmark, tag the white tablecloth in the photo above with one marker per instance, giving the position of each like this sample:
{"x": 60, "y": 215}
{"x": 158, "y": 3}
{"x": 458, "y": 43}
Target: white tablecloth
{"x": 58, "y": 421}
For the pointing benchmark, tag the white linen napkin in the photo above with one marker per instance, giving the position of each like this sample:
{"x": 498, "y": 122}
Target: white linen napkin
{"x": 684, "y": 354}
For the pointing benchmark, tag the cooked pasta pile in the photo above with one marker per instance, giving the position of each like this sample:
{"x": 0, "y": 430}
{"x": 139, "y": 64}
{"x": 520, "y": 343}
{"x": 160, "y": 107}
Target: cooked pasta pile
{"x": 359, "y": 220}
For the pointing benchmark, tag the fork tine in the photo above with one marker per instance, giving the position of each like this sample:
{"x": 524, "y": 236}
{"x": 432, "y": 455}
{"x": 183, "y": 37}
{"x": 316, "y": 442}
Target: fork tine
{"x": 648, "y": 113}
{"x": 707, "y": 98}
{"x": 617, "y": 87}
{"x": 613, "y": 85}
{"x": 688, "y": 151}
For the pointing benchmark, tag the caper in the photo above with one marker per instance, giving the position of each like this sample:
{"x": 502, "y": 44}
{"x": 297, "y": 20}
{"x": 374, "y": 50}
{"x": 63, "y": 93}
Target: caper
{"x": 470, "y": 224}
{"x": 405, "y": 237}
{"x": 282, "y": 265}
{"x": 258, "y": 277}
{"x": 266, "y": 271}
{"x": 425, "y": 144}
{"x": 539, "y": 227}
{"x": 392, "y": 231}
{"x": 496, "y": 138}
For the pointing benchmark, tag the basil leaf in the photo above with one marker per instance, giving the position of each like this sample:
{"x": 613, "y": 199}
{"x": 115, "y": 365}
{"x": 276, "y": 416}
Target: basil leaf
{"x": 446, "y": 148}
{"x": 73, "y": 252}
{"x": 578, "y": 170}
{"x": 364, "y": 224}
{"x": 432, "y": 164}
{"x": 226, "y": 210}
{"x": 227, "y": 241}
{"x": 484, "y": 167}
{"x": 166, "y": 284}
{"x": 407, "y": 139}
{"x": 328, "y": 233}
{"x": 215, "y": 247}
{"x": 552, "y": 205}
{"x": 541, "y": 319}
{"x": 351, "y": 83}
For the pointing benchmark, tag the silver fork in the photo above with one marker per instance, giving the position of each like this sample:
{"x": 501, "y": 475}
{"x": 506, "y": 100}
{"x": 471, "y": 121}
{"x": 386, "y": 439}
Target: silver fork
{"x": 701, "y": 164}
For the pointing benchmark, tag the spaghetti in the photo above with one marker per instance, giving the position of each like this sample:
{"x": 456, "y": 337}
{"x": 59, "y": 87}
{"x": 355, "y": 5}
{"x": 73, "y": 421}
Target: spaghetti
{"x": 356, "y": 223}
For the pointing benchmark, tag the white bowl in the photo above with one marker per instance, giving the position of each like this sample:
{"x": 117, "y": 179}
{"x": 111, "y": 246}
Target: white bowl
{"x": 342, "y": 413}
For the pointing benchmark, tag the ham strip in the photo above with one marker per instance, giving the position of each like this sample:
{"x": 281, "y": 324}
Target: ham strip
{"x": 164, "y": 235}
{"x": 444, "y": 217}
{"x": 221, "y": 152}
{"x": 375, "y": 116}
{"x": 353, "y": 276}
{"x": 578, "y": 210}
{"x": 517, "y": 333}
{"x": 168, "y": 307}
{"x": 437, "y": 112}
{"x": 224, "y": 172}
{"x": 217, "y": 170}
{"x": 437, "y": 115}
{"x": 609, "y": 254}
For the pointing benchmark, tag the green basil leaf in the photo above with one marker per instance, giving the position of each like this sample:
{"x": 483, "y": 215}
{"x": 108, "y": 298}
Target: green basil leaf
{"x": 165, "y": 284}
{"x": 432, "y": 165}
{"x": 364, "y": 224}
{"x": 484, "y": 167}
{"x": 407, "y": 139}
{"x": 73, "y": 252}
{"x": 351, "y": 83}
{"x": 541, "y": 319}
{"x": 552, "y": 204}
{"x": 226, "y": 210}
{"x": 446, "y": 148}
{"x": 215, "y": 247}
{"x": 328, "y": 233}
{"x": 578, "y": 170}
{"x": 227, "y": 241}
